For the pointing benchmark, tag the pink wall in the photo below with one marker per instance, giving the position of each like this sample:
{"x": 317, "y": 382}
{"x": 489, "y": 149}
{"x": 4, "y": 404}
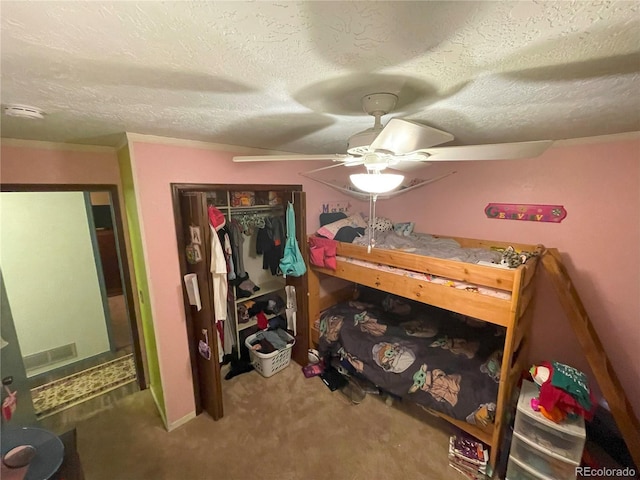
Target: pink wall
{"x": 587, "y": 180}
{"x": 155, "y": 168}
{"x": 599, "y": 185}
{"x": 33, "y": 164}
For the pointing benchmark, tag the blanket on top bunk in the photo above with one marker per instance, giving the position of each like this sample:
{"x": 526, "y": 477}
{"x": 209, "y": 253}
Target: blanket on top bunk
{"x": 399, "y": 236}
{"x": 425, "y": 244}
{"x": 420, "y": 353}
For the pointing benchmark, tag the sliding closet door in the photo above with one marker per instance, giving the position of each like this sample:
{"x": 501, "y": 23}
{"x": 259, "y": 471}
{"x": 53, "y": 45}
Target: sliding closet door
{"x": 195, "y": 255}
{"x": 299, "y": 353}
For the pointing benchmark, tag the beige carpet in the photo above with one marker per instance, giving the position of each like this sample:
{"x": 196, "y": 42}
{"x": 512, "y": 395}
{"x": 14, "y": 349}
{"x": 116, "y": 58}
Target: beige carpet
{"x": 283, "y": 428}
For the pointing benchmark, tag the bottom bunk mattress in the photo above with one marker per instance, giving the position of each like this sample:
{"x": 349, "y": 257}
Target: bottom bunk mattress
{"x": 441, "y": 360}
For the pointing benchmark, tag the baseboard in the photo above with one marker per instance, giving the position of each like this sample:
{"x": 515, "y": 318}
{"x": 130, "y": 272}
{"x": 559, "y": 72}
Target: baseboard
{"x": 182, "y": 421}
{"x": 160, "y": 409}
{"x": 173, "y": 425}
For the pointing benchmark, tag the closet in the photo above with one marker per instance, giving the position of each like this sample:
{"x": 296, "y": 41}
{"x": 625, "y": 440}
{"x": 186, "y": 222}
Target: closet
{"x": 249, "y": 211}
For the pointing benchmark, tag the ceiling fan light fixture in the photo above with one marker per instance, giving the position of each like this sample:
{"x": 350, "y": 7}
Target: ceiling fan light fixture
{"x": 375, "y": 162}
{"x": 376, "y": 183}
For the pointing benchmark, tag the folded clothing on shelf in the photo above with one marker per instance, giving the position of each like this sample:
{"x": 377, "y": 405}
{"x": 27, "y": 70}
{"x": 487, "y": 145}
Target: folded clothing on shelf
{"x": 245, "y": 287}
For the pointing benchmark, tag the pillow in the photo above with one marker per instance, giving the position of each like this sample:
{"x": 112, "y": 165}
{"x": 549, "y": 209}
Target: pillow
{"x": 330, "y": 230}
{"x": 327, "y": 218}
{"x": 403, "y": 229}
{"x": 382, "y": 224}
{"x": 348, "y": 234}
{"x": 369, "y": 295}
{"x": 390, "y": 303}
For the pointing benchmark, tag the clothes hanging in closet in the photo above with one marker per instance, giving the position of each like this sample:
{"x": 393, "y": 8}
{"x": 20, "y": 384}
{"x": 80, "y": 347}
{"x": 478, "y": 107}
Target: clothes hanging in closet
{"x": 237, "y": 241}
{"x": 227, "y": 332}
{"x": 219, "y": 276}
{"x": 219, "y": 268}
{"x": 270, "y": 243}
{"x": 220, "y": 288}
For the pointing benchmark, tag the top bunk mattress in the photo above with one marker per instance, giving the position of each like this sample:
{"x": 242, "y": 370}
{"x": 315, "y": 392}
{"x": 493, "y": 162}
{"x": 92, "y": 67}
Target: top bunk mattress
{"x": 421, "y": 245}
{"x": 428, "y": 245}
{"x": 437, "y": 247}
{"x": 426, "y": 277}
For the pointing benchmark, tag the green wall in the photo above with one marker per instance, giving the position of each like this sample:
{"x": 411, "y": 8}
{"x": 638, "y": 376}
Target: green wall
{"x": 140, "y": 271}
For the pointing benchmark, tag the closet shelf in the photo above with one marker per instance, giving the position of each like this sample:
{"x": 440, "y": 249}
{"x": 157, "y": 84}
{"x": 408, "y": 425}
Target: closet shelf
{"x": 252, "y": 321}
{"x": 265, "y": 288}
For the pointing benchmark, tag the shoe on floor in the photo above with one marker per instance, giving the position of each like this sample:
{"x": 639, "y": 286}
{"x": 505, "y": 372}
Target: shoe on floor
{"x": 353, "y": 391}
{"x": 366, "y": 386}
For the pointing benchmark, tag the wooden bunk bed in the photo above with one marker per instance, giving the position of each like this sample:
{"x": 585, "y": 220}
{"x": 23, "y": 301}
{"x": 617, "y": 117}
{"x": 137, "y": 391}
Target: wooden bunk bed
{"x": 515, "y": 313}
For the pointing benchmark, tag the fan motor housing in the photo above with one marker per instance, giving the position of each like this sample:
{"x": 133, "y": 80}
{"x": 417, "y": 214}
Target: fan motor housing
{"x": 379, "y": 103}
{"x": 376, "y": 105}
{"x": 358, "y": 144}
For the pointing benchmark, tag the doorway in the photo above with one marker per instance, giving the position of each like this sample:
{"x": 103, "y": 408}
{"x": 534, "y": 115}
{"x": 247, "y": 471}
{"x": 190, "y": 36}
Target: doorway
{"x": 245, "y": 205}
{"x": 67, "y": 283}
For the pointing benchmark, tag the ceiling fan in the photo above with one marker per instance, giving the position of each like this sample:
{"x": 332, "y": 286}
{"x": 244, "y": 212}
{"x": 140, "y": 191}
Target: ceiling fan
{"x": 404, "y": 142}
{"x": 398, "y": 143}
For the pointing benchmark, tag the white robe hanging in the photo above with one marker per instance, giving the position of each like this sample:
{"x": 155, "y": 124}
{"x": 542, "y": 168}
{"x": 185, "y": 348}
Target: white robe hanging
{"x": 219, "y": 278}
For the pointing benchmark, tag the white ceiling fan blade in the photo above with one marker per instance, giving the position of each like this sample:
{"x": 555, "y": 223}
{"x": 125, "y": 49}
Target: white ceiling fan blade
{"x": 496, "y": 151}
{"x": 401, "y": 136}
{"x": 408, "y": 163}
{"x": 285, "y": 158}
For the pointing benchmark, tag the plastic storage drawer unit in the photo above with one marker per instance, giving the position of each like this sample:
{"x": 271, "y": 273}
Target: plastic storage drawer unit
{"x": 518, "y": 471}
{"x": 566, "y": 445}
{"x": 564, "y": 439}
{"x": 544, "y": 462}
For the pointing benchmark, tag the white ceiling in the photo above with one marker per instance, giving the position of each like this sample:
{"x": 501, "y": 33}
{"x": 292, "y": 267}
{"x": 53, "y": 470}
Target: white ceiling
{"x": 289, "y": 76}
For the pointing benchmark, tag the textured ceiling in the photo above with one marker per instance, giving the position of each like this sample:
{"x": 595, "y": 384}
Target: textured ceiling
{"x": 289, "y": 75}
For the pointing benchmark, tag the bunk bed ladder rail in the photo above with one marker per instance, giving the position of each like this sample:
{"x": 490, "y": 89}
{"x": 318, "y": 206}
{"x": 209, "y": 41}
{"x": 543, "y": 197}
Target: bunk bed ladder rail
{"x": 597, "y": 357}
{"x": 515, "y": 348}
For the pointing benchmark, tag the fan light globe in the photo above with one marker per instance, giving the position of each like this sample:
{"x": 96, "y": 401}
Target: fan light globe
{"x": 376, "y": 183}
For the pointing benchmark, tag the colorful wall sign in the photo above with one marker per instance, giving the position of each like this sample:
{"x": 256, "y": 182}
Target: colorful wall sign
{"x": 333, "y": 207}
{"x": 532, "y": 213}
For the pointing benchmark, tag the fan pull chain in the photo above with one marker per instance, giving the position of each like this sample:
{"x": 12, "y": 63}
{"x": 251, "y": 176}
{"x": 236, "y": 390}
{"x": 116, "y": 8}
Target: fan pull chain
{"x": 372, "y": 219}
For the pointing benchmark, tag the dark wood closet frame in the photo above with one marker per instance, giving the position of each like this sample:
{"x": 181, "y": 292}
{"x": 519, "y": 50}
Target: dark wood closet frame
{"x": 124, "y": 257}
{"x": 177, "y": 190}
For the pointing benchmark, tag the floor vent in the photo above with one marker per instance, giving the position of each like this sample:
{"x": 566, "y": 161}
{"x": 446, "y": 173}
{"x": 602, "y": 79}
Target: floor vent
{"x": 49, "y": 357}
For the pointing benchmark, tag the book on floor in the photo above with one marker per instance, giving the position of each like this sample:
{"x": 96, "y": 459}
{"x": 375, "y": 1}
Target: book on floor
{"x": 469, "y": 457}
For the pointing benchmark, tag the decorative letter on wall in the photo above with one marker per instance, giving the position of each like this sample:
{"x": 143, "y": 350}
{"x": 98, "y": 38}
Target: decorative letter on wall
{"x": 532, "y": 213}
{"x": 333, "y": 207}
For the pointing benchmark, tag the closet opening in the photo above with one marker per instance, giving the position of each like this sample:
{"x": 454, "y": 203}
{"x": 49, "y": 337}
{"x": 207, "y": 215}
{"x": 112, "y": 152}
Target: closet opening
{"x": 240, "y": 288}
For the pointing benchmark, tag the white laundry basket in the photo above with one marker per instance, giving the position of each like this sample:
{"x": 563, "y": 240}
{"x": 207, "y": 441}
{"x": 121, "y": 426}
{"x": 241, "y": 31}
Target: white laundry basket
{"x": 268, "y": 364}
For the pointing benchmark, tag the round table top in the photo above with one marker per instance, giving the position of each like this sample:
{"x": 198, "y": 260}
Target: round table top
{"x": 49, "y": 450}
